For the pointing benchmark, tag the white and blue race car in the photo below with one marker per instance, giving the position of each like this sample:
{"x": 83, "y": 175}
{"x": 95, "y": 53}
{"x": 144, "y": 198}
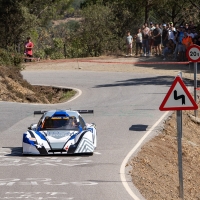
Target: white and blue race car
{"x": 60, "y": 132}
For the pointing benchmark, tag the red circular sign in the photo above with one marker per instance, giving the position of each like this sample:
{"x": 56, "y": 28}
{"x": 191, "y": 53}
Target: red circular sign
{"x": 193, "y": 53}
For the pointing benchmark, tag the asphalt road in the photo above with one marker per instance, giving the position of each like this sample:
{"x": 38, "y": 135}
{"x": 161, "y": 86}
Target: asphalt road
{"x": 126, "y": 106}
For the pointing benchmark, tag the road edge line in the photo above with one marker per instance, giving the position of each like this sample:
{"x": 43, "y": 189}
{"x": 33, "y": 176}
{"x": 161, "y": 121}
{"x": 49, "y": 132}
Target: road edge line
{"x": 125, "y": 161}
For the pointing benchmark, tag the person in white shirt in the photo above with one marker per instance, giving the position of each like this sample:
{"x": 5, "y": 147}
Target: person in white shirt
{"x": 189, "y": 33}
{"x": 172, "y": 26}
{"x": 194, "y": 32}
{"x": 170, "y": 34}
{"x": 129, "y": 41}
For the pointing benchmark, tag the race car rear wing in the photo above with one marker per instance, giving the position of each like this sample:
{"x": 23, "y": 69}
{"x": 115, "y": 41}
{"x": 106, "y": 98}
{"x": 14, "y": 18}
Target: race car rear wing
{"x": 85, "y": 111}
{"x": 41, "y": 112}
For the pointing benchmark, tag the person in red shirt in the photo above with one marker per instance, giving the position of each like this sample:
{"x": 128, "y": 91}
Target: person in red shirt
{"x": 29, "y": 48}
{"x": 186, "y": 41}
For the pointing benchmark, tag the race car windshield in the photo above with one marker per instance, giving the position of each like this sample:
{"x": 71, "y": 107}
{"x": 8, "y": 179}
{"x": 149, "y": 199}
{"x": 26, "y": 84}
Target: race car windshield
{"x": 60, "y": 123}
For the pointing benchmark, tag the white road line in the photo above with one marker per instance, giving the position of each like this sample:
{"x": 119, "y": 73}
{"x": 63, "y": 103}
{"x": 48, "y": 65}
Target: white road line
{"x": 97, "y": 153}
{"x": 76, "y": 96}
{"x": 126, "y": 159}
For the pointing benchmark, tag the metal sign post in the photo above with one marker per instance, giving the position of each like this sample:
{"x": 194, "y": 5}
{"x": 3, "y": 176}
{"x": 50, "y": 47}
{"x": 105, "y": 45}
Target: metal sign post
{"x": 195, "y": 86}
{"x": 193, "y": 55}
{"x": 179, "y": 142}
{"x": 179, "y": 98}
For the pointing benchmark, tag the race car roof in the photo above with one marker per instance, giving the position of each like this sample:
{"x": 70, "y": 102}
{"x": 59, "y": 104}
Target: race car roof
{"x": 67, "y": 113}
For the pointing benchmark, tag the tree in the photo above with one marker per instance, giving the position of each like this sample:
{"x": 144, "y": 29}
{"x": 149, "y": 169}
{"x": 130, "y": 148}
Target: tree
{"x": 195, "y": 4}
{"x": 95, "y": 34}
{"x": 46, "y": 10}
{"x": 15, "y": 20}
{"x": 178, "y": 13}
{"x": 19, "y": 18}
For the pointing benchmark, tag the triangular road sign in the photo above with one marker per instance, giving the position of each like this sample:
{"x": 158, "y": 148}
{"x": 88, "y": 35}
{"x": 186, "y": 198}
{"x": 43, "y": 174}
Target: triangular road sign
{"x": 178, "y": 97}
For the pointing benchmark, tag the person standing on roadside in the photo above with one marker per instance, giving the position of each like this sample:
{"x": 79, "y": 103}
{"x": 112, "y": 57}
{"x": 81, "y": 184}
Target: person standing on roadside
{"x": 145, "y": 39}
{"x": 181, "y": 48}
{"x": 151, "y": 40}
{"x": 164, "y": 36}
{"x": 138, "y": 39}
{"x": 29, "y": 48}
{"x": 186, "y": 27}
{"x": 157, "y": 40}
{"x": 186, "y": 41}
{"x": 171, "y": 34}
{"x": 129, "y": 42}
{"x": 172, "y": 26}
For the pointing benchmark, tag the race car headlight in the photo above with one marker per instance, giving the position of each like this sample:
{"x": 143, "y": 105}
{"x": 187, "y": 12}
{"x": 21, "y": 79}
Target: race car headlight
{"x": 29, "y": 140}
{"x": 32, "y": 139}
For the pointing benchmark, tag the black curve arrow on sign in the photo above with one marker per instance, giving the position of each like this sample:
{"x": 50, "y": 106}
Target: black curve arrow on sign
{"x": 176, "y": 97}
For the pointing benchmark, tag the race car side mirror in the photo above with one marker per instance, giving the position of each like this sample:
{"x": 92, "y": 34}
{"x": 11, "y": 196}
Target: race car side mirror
{"x": 32, "y": 127}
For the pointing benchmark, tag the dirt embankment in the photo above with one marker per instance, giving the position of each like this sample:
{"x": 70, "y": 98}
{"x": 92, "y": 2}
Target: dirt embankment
{"x": 15, "y": 89}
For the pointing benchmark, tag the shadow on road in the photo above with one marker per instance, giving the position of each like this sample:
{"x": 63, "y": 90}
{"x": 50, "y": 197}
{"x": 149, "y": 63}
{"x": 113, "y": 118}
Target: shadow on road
{"x": 138, "y": 127}
{"x": 158, "y": 80}
{"x": 14, "y": 151}
{"x": 17, "y": 151}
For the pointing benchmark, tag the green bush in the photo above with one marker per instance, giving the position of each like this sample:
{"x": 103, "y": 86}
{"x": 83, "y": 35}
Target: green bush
{"x": 5, "y": 58}
{"x": 10, "y": 59}
{"x": 39, "y": 54}
{"x": 56, "y": 55}
{"x": 17, "y": 60}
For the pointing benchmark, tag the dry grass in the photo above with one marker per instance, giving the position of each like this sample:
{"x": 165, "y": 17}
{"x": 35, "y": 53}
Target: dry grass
{"x": 15, "y": 89}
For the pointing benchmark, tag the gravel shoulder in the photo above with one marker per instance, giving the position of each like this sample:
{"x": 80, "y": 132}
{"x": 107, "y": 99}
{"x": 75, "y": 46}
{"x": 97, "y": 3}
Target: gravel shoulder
{"x": 116, "y": 64}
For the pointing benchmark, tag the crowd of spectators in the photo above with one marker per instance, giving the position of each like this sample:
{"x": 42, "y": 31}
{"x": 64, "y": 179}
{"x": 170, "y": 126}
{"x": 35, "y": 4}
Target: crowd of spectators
{"x": 162, "y": 40}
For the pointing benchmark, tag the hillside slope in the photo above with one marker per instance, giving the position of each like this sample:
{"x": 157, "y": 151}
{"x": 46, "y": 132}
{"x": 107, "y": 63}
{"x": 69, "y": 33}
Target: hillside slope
{"x": 15, "y": 89}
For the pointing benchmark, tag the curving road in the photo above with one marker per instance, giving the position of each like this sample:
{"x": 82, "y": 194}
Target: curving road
{"x": 125, "y": 108}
